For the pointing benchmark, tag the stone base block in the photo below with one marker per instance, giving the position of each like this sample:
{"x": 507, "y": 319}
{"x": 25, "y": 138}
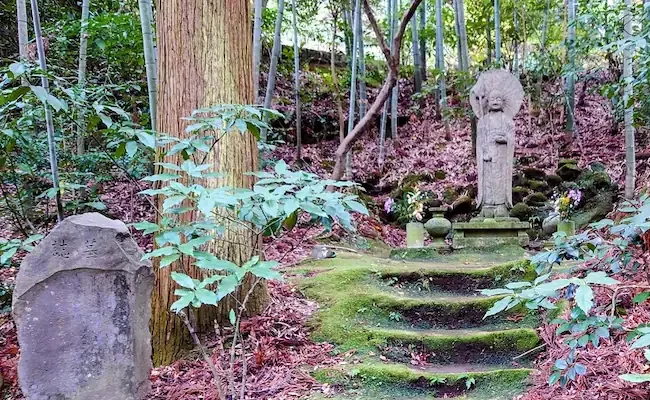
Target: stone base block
{"x": 491, "y": 232}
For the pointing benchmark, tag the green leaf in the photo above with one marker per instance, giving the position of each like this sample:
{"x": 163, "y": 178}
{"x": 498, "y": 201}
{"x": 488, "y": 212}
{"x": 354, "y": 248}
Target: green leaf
{"x": 561, "y": 364}
{"x": 163, "y": 251}
{"x": 498, "y": 306}
{"x": 6, "y": 255}
{"x": 496, "y": 292}
{"x": 554, "y": 378}
{"x": 173, "y": 201}
{"x": 131, "y": 148}
{"x": 232, "y": 317}
{"x": 518, "y": 285}
{"x": 227, "y": 286}
{"x": 643, "y": 341}
{"x": 635, "y": 378}
{"x": 167, "y": 260}
{"x": 206, "y": 296}
{"x": 183, "y": 280}
{"x": 183, "y": 302}
{"x": 262, "y": 271}
{"x": 40, "y": 92}
{"x": 161, "y": 177}
{"x": 585, "y": 298}
{"x": 146, "y": 226}
{"x": 291, "y": 205}
{"x": 641, "y": 297}
{"x": 357, "y": 207}
{"x": 600, "y": 278}
{"x": 210, "y": 280}
{"x": 146, "y": 139}
{"x": 171, "y": 166}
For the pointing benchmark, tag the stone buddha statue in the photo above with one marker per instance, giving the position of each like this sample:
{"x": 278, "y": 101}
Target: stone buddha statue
{"x": 495, "y": 99}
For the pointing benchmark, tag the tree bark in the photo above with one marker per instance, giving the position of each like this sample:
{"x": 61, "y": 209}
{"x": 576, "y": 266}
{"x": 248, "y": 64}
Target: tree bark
{"x": 205, "y": 59}
{"x": 257, "y": 47}
{"x": 363, "y": 89}
{"x": 463, "y": 35}
{"x": 150, "y": 62}
{"x": 440, "y": 61}
{"x": 353, "y": 83}
{"x": 415, "y": 39}
{"x": 393, "y": 61}
{"x": 630, "y": 162}
{"x": 81, "y": 81}
{"x": 49, "y": 123}
{"x": 273, "y": 69}
{"x": 570, "y": 80}
{"x": 459, "y": 55}
{"x": 296, "y": 84}
{"x": 423, "y": 42}
{"x": 381, "y": 157}
{"x": 497, "y": 31}
{"x": 394, "y": 97}
{"x": 23, "y": 38}
{"x": 515, "y": 57}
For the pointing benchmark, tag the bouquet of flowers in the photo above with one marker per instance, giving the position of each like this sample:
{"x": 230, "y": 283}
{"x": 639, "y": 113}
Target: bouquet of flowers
{"x": 567, "y": 203}
{"x": 410, "y": 208}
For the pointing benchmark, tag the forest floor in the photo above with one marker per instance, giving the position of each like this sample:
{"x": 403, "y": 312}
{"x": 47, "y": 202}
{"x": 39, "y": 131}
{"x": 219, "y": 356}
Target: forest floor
{"x": 280, "y": 341}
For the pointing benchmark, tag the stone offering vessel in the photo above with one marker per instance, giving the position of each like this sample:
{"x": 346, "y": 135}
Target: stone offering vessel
{"x": 82, "y": 307}
{"x": 495, "y": 99}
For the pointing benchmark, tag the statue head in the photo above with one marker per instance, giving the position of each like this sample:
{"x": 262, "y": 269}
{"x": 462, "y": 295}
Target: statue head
{"x": 495, "y": 100}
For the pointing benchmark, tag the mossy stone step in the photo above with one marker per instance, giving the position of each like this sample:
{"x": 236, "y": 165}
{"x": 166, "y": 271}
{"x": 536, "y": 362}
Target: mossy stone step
{"x": 455, "y": 346}
{"x": 431, "y": 312}
{"x": 396, "y": 381}
{"x": 497, "y": 254}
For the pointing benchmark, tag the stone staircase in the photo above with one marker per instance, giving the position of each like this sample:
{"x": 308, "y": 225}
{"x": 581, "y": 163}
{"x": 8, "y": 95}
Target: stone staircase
{"x": 388, "y": 316}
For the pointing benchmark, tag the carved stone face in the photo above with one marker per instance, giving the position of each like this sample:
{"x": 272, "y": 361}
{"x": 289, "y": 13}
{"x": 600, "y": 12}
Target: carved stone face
{"x": 495, "y": 101}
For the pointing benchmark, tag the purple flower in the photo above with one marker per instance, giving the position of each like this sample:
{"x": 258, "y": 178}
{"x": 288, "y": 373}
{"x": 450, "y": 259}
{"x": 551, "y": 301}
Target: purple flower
{"x": 388, "y": 205}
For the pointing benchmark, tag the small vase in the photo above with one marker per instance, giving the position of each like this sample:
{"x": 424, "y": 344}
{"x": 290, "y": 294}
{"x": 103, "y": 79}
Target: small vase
{"x": 414, "y": 235}
{"x": 567, "y": 226}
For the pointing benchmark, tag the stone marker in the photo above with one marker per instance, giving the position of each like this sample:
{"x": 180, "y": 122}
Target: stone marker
{"x": 82, "y": 307}
{"x": 495, "y": 99}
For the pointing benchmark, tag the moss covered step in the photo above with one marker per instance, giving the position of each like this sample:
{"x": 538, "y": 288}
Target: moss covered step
{"x": 494, "y": 255}
{"x": 445, "y": 281}
{"x": 429, "y": 313}
{"x": 467, "y": 347}
{"x": 379, "y": 381}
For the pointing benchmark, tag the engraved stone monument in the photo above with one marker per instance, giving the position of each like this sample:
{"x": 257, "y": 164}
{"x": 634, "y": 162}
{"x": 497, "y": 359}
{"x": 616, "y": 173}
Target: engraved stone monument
{"x": 495, "y": 99}
{"x": 82, "y": 307}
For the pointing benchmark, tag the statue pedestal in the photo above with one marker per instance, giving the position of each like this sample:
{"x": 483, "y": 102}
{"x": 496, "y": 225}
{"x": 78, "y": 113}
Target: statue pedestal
{"x": 491, "y": 232}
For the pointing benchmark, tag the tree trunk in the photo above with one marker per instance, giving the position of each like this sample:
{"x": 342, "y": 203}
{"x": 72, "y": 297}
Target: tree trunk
{"x": 394, "y": 99}
{"x": 497, "y": 31}
{"x": 488, "y": 39}
{"x": 570, "y": 80}
{"x": 423, "y": 42}
{"x": 381, "y": 158}
{"x": 257, "y": 47}
{"x": 23, "y": 37}
{"x": 150, "y": 62}
{"x": 415, "y": 39}
{"x": 81, "y": 82}
{"x": 273, "y": 69}
{"x": 463, "y": 35}
{"x": 459, "y": 54}
{"x": 440, "y": 64}
{"x": 515, "y": 57}
{"x": 630, "y": 162}
{"x": 296, "y": 84}
{"x": 205, "y": 59}
{"x": 335, "y": 83}
{"x": 353, "y": 84}
{"x": 49, "y": 123}
{"x": 363, "y": 90}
